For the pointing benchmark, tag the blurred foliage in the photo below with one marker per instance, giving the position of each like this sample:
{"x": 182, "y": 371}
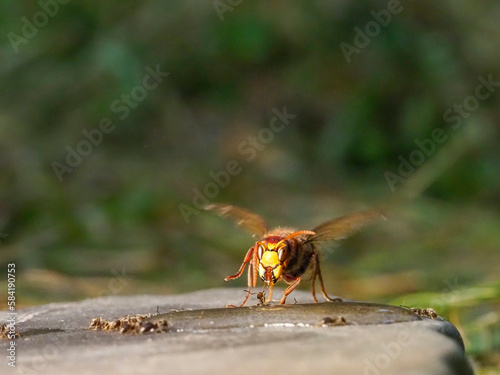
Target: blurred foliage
{"x": 117, "y": 212}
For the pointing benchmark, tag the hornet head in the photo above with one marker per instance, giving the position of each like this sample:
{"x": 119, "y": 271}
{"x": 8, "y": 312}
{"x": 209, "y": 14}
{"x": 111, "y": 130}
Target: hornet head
{"x": 272, "y": 253}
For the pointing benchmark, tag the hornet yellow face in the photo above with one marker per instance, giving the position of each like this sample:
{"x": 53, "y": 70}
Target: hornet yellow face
{"x": 271, "y": 257}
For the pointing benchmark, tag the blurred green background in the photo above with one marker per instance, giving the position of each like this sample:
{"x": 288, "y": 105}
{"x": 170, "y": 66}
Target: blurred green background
{"x": 113, "y": 225}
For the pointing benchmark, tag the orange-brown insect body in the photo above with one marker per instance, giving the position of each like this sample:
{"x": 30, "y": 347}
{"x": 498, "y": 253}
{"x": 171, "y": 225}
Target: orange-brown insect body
{"x": 286, "y": 254}
{"x": 296, "y": 254}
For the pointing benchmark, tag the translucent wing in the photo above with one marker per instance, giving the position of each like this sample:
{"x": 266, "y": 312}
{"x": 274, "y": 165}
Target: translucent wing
{"x": 344, "y": 226}
{"x": 244, "y": 218}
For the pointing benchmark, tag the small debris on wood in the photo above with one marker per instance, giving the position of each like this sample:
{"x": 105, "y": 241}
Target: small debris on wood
{"x": 6, "y": 333}
{"x": 178, "y": 310}
{"x": 428, "y": 312}
{"x": 129, "y": 325}
{"x": 332, "y": 322}
{"x": 261, "y": 296}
